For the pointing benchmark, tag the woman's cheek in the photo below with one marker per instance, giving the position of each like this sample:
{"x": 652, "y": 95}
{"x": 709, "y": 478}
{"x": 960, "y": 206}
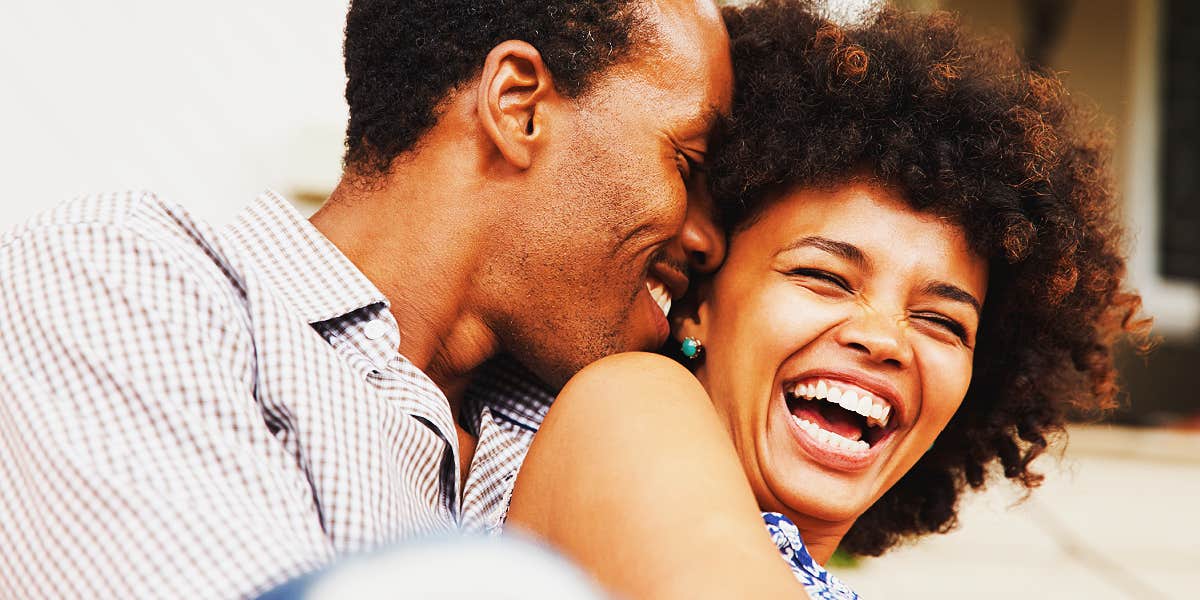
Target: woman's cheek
{"x": 790, "y": 317}
{"x": 946, "y": 375}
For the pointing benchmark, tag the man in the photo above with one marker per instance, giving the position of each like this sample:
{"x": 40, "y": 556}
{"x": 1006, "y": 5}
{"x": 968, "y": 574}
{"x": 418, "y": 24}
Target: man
{"x": 193, "y": 412}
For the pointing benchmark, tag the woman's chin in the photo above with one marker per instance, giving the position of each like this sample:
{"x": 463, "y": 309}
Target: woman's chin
{"x": 829, "y": 503}
{"x": 809, "y": 492}
{"x": 820, "y": 485}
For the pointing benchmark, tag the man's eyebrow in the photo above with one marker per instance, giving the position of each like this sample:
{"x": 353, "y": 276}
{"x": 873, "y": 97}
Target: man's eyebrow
{"x": 950, "y": 291}
{"x": 841, "y": 250}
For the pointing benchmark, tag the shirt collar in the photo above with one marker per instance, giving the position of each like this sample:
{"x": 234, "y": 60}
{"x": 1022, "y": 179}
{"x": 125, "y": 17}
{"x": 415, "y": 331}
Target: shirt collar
{"x": 300, "y": 263}
{"x": 513, "y": 394}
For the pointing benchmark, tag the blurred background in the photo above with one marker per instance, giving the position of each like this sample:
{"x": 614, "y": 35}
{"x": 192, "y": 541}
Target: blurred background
{"x": 209, "y": 103}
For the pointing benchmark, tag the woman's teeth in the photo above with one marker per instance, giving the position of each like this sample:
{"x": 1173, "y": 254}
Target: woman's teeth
{"x": 660, "y": 294}
{"x": 830, "y": 438}
{"x": 876, "y": 411}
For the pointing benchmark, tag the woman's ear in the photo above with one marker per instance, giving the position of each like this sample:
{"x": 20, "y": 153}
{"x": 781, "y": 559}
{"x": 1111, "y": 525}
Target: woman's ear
{"x": 513, "y": 87}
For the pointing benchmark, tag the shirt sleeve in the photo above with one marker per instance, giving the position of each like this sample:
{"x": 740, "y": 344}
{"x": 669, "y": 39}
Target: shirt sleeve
{"x": 134, "y": 459}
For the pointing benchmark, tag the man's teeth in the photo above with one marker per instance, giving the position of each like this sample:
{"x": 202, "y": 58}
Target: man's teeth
{"x": 830, "y": 438}
{"x": 660, "y": 293}
{"x": 876, "y": 411}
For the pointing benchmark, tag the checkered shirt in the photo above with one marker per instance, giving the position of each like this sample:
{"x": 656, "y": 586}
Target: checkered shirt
{"x": 203, "y": 413}
{"x": 509, "y": 404}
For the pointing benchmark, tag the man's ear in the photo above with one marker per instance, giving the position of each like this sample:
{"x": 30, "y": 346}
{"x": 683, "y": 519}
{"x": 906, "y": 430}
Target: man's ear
{"x": 514, "y": 84}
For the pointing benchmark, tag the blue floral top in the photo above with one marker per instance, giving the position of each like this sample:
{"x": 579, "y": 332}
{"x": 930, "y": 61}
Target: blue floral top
{"x": 819, "y": 583}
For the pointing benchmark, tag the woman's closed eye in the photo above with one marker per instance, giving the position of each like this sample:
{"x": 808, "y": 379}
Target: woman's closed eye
{"x": 945, "y": 324}
{"x": 822, "y": 277}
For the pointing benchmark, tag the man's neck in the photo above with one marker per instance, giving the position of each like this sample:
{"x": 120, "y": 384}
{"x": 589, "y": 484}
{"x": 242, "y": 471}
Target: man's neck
{"x": 421, "y": 243}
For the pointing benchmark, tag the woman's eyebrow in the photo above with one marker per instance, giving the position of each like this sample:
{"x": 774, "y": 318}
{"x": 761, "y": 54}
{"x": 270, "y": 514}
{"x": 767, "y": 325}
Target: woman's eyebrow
{"x": 843, "y": 250}
{"x": 950, "y": 291}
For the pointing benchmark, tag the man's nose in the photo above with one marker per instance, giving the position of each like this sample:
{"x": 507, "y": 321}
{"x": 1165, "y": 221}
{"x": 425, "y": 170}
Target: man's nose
{"x": 877, "y": 337}
{"x": 701, "y": 239}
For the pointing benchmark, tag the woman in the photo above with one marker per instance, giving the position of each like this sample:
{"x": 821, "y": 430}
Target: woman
{"x": 923, "y": 274}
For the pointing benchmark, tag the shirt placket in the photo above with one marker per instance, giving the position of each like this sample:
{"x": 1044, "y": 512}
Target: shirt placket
{"x": 370, "y": 342}
{"x": 380, "y": 340}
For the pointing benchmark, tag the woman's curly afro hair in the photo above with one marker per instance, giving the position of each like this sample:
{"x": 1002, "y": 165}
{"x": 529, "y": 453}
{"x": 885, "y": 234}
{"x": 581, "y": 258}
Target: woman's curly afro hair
{"x": 966, "y": 131}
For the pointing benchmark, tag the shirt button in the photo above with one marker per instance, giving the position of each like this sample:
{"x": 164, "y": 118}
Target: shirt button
{"x": 375, "y": 330}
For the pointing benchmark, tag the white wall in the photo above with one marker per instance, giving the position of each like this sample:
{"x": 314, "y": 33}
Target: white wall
{"x": 204, "y": 102}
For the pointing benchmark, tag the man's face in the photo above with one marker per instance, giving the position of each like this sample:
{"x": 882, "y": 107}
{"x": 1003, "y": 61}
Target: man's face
{"x": 625, "y": 205}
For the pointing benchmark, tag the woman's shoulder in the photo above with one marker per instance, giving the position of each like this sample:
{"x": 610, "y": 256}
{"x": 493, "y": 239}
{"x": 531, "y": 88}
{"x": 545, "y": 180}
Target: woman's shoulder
{"x": 633, "y": 453}
{"x": 608, "y": 419}
{"x": 633, "y": 401}
{"x": 641, "y": 366}
{"x": 639, "y": 380}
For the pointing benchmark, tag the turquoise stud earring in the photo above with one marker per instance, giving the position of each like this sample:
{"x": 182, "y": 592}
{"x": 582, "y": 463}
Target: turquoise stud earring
{"x": 691, "y": 348}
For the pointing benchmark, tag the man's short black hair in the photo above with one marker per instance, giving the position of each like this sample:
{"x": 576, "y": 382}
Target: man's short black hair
{"x": 404, "y": 56}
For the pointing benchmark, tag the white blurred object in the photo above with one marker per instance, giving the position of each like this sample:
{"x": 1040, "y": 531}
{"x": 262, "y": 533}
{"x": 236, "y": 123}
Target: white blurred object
{"x": 842, "y": 12}
{"x": 850, "y": 12}
{"x": 457, "y": 569}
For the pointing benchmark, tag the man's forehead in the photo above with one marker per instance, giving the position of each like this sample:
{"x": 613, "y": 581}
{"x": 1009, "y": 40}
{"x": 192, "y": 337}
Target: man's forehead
{"x": 681, "y": 78}
{"x": 703, "y": 10}
{"x": 691, "y": 52}
{"x": 690, "y": 27}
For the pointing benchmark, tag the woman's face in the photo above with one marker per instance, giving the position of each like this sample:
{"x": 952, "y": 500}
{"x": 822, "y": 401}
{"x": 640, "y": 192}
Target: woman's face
{"x": 839, "y": 336}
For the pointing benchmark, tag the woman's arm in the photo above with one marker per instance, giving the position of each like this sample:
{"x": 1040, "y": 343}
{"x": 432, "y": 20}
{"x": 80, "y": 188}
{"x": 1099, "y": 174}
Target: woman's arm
{"x": 633, "y": 476}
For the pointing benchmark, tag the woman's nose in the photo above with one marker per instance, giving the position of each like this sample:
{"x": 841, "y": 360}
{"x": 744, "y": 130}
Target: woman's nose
{"x": 877, "y": 337}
